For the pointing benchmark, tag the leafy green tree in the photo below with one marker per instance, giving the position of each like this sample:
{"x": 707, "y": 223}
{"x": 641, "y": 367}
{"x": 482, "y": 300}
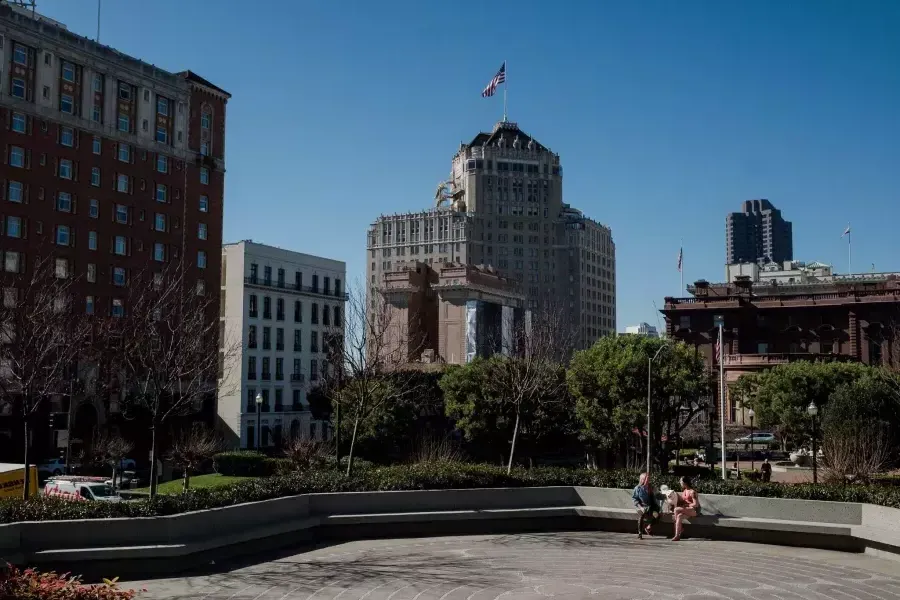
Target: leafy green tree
{"x": 781, "y": 395}
{"x": 609, "y": 384}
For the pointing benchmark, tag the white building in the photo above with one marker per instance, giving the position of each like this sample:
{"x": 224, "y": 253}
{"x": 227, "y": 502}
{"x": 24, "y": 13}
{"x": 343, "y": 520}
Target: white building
{"x": 642, "y": 329}
{"x": 280, "y": 305}
{"x": 787, "y": 273}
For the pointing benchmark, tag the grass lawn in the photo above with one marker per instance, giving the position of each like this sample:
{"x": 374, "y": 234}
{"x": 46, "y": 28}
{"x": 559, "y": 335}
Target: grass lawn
{"x": 197, "y": 481}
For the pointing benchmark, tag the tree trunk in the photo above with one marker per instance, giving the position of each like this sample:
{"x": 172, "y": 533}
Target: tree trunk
{"x": 27, "y": 481}
{"x": 115, "y": 471}
{"x": 512, "y": 449}
{"x": 337, "y": 434}
{"x": 186, "y": 480}
{"x": 352, "y": 447}
{"x": 153, "y": 473}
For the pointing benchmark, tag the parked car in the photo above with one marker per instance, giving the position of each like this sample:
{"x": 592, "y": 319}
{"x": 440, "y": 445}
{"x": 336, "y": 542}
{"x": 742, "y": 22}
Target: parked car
{"x": 127, "y": 464}
{"x": 56, "y": 466}
{"x": 124, "y": 480}
{"x": 92, "y": 489}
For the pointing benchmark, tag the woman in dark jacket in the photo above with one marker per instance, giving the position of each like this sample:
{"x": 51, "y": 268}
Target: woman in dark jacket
{"x": 645, "y": 505}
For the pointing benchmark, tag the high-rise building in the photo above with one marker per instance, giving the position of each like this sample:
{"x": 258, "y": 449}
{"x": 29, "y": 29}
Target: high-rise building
{"x": 281, "y": 306}
{"x": 502, "y": 208}
{"x": 644, "y": 329}
{"x": 758, "y": 234}
{"x": 110, "y": 163}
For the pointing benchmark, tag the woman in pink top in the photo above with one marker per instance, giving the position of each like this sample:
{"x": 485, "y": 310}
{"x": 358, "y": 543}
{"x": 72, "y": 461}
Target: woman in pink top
{"x": 689, "y": 506}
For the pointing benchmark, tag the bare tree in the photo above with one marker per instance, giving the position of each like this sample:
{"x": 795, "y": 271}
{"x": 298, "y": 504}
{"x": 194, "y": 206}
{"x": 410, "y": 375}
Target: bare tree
{"x": 849, "y": 455}
{"x": 531, "y": 369}
{"x": 41, "y": 336}
{"x": 305, "y": 454}
{"x": 167, "y": 348}
{"x": 193, "y": 447}
{"x": 110, "y": 450}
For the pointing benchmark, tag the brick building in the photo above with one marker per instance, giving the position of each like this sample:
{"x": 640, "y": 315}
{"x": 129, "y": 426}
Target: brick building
{"x": 110, "y": 163}
{"x": 766, "y": 323}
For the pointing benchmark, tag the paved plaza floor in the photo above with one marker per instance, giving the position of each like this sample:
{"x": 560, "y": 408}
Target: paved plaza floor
{"x": 602, "y": 566}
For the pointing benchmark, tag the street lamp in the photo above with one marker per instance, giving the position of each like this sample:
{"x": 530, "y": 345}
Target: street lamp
{"x": 751, "y": 414}
{"x": 813, "y": 410}
{"x": 649, "y": 373}
{"x": 259, "y": 401}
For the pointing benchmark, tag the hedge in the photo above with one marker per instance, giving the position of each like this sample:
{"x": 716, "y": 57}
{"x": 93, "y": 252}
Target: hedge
{"x": 417, "y": 477}
{"x": 250, "y": 463}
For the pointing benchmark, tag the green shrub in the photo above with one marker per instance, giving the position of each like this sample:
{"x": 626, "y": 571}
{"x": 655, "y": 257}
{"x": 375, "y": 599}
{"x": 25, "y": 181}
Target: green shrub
{"x": 694, "y": 472}
{"x": 421, "y": 476}
{"x": 240, "y": 463}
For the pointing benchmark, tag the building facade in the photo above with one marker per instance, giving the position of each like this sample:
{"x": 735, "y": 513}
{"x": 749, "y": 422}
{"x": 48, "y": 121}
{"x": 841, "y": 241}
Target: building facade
{"x": 279, "y": 307}
{"x": 502, "y": 208}
{"x": 642, "y": 329}
{"x": 758, "y": 234}
{"x": 111, "y": 164}
{"x": 845, "y": 317}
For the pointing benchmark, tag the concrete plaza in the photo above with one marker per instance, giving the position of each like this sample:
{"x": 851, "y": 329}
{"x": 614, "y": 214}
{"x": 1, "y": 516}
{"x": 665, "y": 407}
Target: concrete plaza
{"x": 597, "y": 565}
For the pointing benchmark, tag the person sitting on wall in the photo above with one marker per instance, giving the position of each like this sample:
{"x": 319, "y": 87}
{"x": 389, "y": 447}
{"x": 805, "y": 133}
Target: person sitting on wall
{"x": 646, "y": 505}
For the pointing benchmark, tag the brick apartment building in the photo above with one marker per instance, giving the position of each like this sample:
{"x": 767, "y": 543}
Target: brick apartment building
{"x": 112, "y": 164}
{"x": 809, "y": 315}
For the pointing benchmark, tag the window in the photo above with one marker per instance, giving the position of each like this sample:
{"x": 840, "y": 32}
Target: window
{"x": 267, "y": 307}
{"x": 159, "y": 252}
{"x": 204, "y": 149}
{"x": 267, "y": 338}
{"x": 254, "y": 272}
{"x": 201, "y": 259}
{"x": 92, "y": 240}
{"x": 298, "y": 311}
{"x": 94, "y": 209}
{"x": 89, "y": 305}
{"x": 122, "y": 183}
{"x": 252, "y": 305}
{"x": 124, "y": 122}
{"x": 279, "y": 374}
{"x": 161, "y": 192}
{"x": 267, "y": 275}
{"x": 298, "y": 344}
{"x": 92, "y": 273}
{"x": 62, "y": 235}
{"x": 162, "y": 135}
{"x": 251, "y": 337}
{"x": 18, "y": 87}
{"x": 96, "y": 145}
{"x": 11, "y": 261}
{"x": 17, "y": 157}
{"x": 118, "y": 309}
{"x": 15, "y": 191}
{"x": 314, "y": 342}
{"x": 205, "y": 119}
{"x": 201, "y": 231}
{"x": 124, "y": 91}
{"x": 281, "y": 278}
{"x": 159, "y": 222}
{"x": 14, "y": 227}
{"x": 162, "y": 163}
{"x": 266, "y": 373}
{"x": 279, "y": 309}
{"x": 125, "y": 153}
{"x": 204, "y": 175}
{"x": 64, "y": 202}
{"x": 298, "y": 279}
{"x": 67, "y": 136}
{"x": 96, "y": 114}
{"x": 251, "y": 369}
{"x": 121, "y": 214}
{"x": 68, "y": 72}
{"x": 162, "y": 106}
{"x": 67, "y": 103}
{"x": 19, "y": 123}
{"x": 204, "y": 204}
{"x": 97, "y": 83}
{"x": 314, "y": 315}
{"x": 337, "y": 316}
{"x": 120, "y": 246}
{"x": 20, "y": 54}
{"x": 65, "y": 168}
{"x": 313, "y": 376}
{"x": 118, "y": 276}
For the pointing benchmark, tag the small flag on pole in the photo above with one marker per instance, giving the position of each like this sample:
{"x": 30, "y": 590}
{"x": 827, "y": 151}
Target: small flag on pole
{"x": 680, "y": 258}
{"x": 499, "y": 78}
{"x": 846, "y": 231}
{"x": 718, "y": 351}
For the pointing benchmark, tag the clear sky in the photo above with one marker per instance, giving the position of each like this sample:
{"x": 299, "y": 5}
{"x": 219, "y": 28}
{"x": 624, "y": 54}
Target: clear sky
{"x": 666, "y": 115}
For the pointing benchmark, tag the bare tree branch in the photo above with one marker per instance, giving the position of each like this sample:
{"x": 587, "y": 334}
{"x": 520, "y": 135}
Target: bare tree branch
{"x": 192, "y": 448}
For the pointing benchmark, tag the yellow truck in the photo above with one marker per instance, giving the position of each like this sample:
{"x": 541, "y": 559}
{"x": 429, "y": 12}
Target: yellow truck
{"x": 12, "y": 478}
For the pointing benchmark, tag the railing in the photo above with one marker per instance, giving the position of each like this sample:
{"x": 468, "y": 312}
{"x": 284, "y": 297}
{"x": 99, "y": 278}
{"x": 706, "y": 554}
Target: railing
{"x": 279, "y": 376}
{"x": 302, "y": 289}
{"x": 778, "y": 358}
{"x": 266, "y": 376}
{"x": 786, "y": 297}
{"x": 279, "y": 408}
{"x": 297, "y": 406}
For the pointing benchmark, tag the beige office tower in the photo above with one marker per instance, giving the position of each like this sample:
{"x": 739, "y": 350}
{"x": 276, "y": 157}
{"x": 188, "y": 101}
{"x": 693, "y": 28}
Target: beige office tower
{"x": 502, "y": 208}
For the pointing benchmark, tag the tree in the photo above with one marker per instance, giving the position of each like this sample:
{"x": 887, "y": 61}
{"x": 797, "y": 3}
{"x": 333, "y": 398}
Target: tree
{"x": 781, "y": 395}
{"x": 110, "y": 450}
{"x": 305, "y": 454}
{"x": 860, "y": 429}
{"x": 41, "y": 336}
{"x": 609, "y": 383}
{"x": 166, "y": 347}
{"x": 193, "y": 447}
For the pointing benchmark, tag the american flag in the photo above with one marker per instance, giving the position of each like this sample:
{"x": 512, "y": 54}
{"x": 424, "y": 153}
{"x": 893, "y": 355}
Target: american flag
{"x": 718, "y": 351}
{"x": 680, "y": 256}
{"x": 499, "y": 78}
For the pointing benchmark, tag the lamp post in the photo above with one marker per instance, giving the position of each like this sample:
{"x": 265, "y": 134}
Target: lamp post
{"x": 751, "y": 414}
{"x": 649, "y": 387}
{"x": 813, "y": 410}
{"x": 259, "y": 401}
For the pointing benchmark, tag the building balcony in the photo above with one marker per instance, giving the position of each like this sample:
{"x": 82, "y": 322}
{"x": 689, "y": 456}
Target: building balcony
{"x": 279, "y": 376}
{"x": 296, "y": 289}
{"x": 266, "y": 376}
{"x": 251, "y": 375}
{"x": 297, "y": 407}
{"x": 279, "y": 408}
{"x": 762, "y": 361}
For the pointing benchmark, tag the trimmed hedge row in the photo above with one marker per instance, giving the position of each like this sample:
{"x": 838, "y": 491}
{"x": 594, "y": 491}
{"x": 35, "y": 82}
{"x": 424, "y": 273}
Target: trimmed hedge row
{"x": 416, "y": 477}
{"x": 250, "y": 463}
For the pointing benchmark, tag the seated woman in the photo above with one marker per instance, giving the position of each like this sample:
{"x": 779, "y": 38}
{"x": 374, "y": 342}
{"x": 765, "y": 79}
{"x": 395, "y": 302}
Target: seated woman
{"x": 645, "y": 504}
{"x": 688, "y": 506}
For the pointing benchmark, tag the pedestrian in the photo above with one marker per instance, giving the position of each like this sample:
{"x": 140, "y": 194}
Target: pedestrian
{"x": 688, "y": 506}
{"x": 766, "y": 470}
{"x": 646, "y": 506}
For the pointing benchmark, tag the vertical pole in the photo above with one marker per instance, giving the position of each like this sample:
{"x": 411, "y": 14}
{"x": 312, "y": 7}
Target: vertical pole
{"x": 649, "y": 367}
{"x": 849, "y": 254}
{"x": 722, "y": 400}
{"x": 681, "y": 268}
{"x": 505, "y": 87}
{"x": 815, "y": 453}
{"x": 98, "y": 21}
{"x": 258, "y": 425}
{"x": 752, "y": 466}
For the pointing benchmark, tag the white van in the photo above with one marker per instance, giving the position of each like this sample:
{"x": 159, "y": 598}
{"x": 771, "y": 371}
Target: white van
{"x": 81, "y": 489}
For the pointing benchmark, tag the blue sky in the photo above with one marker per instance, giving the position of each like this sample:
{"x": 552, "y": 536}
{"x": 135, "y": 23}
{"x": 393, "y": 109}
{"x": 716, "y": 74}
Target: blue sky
{"x": 666, "y": 115}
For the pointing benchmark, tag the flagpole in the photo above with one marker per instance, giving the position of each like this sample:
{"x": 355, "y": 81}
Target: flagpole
{"x": 505, "y": 86}
{"x": 722, "y": 399}
{"x": 849, "y": 255}
{"x": 681, "y": 291}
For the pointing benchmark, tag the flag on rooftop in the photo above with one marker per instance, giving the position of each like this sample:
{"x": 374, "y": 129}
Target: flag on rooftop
{"x": 846, "y": 231}
{"x": 499, "y": 78}
{"x": 680, "y": 257}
